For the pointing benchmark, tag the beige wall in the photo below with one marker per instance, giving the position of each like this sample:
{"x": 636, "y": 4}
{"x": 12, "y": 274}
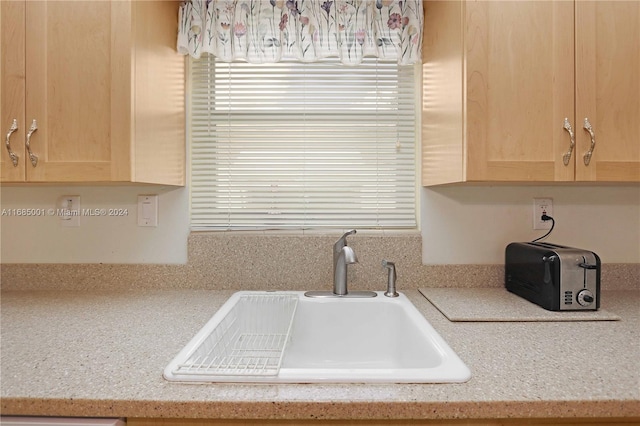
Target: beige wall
{"x": 474, "y": 224}
{"x": 98, "y": 239}
{"x": 460, "y": 225}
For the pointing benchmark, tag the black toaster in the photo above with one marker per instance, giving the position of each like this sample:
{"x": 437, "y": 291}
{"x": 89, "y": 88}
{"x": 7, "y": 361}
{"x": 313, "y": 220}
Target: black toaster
{"x": 556, "y": 277}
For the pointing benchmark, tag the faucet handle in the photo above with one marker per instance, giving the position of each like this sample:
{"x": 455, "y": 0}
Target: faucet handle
{"x": 391, "y": 280}
{"x": 342, "y": 241}
{"x": 346, "y": 234}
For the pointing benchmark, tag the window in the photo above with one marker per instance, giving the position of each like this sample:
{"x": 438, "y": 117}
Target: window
{"x": 302, "y": 145}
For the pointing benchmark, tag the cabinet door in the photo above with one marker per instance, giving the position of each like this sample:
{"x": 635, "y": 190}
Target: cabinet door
{"x": 77, "y": 90}
{"x": 12, "y": 81}
{"x": 520, "y": 87}
{"x": 608, "y": 89}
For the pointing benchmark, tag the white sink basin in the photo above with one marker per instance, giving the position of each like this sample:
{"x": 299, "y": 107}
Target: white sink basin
{"x": 331, "y": 340}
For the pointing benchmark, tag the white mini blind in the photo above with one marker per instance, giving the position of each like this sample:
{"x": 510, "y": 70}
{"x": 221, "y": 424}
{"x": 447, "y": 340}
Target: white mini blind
{"x": 302, "y": 145}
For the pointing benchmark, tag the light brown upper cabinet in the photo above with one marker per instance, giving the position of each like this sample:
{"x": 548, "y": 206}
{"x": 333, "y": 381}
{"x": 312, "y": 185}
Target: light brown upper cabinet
{"x": 503, "y": 82}
{"x": 96, "y": 92}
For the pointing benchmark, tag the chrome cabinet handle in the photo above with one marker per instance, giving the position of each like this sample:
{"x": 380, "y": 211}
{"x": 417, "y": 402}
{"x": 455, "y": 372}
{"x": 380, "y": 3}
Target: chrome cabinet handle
{"x": 12, "y": 155}
{"x": 567, "y": 156}
{"x": 587, "y": 156}
{"x": 32, "y": 156}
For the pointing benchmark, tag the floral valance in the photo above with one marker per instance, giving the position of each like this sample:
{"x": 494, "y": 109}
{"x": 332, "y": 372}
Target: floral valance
{"x": 260, "y": 31}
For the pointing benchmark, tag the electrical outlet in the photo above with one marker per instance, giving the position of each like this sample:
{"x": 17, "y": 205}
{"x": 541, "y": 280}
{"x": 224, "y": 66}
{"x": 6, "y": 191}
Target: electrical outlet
{"x": 542, "y": 206}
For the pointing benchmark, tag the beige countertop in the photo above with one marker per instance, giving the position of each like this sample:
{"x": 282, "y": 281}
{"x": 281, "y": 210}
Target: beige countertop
{"x": 102, "y": 353}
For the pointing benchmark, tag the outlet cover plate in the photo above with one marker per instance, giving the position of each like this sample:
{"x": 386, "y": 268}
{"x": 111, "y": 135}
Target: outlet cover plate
{"x": 542, "y": 206}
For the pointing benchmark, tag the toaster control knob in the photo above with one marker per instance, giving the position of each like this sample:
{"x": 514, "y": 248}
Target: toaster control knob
{"x": 585, "y": 297}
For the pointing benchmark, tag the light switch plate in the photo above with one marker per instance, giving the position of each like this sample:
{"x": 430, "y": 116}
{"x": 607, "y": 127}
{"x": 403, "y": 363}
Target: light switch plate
{"x": 148, "y": 210}
{"x": 68, "y": 211}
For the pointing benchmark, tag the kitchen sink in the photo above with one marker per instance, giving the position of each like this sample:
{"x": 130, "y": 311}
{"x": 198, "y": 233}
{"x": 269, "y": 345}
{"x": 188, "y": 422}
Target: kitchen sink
{"x": 286, "y": 337}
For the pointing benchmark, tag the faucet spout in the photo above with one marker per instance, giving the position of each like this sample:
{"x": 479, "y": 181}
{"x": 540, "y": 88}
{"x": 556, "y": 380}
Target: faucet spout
{"x": 346, "y": 256}
{"x": 342, "y": 256}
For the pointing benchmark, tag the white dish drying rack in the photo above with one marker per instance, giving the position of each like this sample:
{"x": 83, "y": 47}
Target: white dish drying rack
{"x": 247, "y": 339}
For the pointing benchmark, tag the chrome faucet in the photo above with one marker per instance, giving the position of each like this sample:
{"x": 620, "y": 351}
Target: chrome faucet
{"x": 343, "y": 255}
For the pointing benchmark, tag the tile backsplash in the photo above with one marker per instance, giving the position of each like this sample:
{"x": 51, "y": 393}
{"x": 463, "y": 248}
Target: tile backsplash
{"x": 278, "y": 262}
